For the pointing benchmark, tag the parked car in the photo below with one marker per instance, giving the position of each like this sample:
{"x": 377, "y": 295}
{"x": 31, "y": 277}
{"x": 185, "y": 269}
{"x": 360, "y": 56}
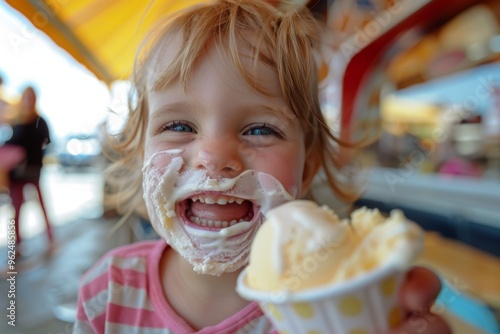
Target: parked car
{"x": 80, "y": 150}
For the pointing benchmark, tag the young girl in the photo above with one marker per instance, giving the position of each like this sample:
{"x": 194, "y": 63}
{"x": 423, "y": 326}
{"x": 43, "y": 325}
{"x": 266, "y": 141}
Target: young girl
{"x": 225, "y": 124}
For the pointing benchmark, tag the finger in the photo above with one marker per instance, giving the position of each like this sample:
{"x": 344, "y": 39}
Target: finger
{"x": 423, "y": 323}
{"x": 419, "y": 290}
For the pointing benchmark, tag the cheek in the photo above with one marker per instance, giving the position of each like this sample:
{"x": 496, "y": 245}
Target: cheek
{"x": 292, "y": 178}
{"x": 157, "y": 155}
{"x": 287, "y": 168}
{"x": 154, "y": 145}
{"x": 149, "y": 149}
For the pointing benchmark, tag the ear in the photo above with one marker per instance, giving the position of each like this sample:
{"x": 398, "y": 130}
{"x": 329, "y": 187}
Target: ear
{"x": 311, "y": 168}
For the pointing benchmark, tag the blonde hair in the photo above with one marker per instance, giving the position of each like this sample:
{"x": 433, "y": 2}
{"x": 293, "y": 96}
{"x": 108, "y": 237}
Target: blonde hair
{"x": 285, "y": 40}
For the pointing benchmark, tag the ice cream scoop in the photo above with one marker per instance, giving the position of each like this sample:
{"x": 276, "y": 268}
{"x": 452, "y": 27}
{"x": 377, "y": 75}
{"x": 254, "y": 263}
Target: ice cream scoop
{"x": 303, "y": 245}
{"x": 312, "y": 272}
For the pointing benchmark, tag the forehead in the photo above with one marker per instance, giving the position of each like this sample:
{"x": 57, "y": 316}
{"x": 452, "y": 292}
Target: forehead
{"x": 215, "y": 63}
{"x": 173, "y": 57}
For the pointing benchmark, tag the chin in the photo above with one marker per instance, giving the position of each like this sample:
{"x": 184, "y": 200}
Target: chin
{"x": 220, "y": 268}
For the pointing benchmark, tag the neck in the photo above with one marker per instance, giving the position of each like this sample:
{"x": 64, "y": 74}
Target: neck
{"x": 201, "y": 300}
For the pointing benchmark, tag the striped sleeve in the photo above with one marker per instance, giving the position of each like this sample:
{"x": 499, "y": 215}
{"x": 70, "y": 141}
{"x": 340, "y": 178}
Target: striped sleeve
{"x": 114, "y": 293}
{"x": 118, "y": 295}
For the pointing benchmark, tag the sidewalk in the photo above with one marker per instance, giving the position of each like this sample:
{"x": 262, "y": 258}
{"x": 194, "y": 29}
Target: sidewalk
{"x": 46, "y": 283}
{"x": 47, "y": 278}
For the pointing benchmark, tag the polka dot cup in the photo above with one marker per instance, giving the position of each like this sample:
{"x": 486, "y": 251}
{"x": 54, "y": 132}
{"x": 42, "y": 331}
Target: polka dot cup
{"x": 364, "y": 305}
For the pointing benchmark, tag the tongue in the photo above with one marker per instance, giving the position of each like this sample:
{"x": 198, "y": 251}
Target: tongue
{"x": 215, "y": 212}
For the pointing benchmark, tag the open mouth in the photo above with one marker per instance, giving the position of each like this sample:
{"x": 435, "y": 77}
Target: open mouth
{"x": 215, "y": 211}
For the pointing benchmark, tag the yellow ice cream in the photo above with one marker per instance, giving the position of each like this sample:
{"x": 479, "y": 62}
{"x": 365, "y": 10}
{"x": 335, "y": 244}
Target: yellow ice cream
{"x": 303, "y": 245}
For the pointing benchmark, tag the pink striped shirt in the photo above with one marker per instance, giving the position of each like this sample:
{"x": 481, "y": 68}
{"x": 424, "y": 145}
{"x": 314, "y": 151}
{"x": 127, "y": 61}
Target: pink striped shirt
{"x": 122, "y": 293}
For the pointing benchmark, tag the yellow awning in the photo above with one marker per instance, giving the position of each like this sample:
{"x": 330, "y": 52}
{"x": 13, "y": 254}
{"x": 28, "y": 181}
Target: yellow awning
{"x": 103, "y": 35}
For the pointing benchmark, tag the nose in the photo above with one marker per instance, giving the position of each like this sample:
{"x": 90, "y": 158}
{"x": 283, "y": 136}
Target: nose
{"x": 219, "y": 157}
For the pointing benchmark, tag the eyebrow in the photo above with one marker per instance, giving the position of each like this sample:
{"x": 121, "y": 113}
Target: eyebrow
{"x": 176, "y": 107}
{"x": 282, "y": 113}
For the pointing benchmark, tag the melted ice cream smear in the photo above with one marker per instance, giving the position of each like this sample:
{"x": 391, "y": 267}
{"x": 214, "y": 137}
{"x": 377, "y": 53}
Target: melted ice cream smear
{"x": 167, "y": 182}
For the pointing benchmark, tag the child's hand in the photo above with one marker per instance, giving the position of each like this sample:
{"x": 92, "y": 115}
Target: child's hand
{"x": 419, "y": 291}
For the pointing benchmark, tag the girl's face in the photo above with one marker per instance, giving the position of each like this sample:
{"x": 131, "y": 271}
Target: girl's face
{"x": 222, "y": 126}
{"x": 225, "y": 127}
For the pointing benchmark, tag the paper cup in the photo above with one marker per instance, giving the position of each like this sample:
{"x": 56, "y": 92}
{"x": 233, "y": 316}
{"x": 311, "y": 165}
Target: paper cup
{"x": 367, "y": 304}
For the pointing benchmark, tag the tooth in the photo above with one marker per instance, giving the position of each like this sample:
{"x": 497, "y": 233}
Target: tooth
{"x": 195, "y": 219}
{"x": 224, "y": 224}
{"x": 203, "y": 222}
{"x": 239, "y": 200}
{"x": 218, "y": 223}
{"x": 201, "y": 199}
{"x": 209, "y": 200}
{"x": 231, "y": 200}
{"x": 222, "y": 201}
{"x": 233, "y": 222}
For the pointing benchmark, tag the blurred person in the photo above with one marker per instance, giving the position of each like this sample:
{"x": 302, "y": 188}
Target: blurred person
{"x": 10, "y": 155}
{"x": 31, "y": 132}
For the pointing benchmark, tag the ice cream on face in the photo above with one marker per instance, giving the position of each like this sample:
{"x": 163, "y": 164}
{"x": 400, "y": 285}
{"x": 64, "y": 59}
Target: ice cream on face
{"x": 302, "y": 245}
{"x": 211, "y": 222}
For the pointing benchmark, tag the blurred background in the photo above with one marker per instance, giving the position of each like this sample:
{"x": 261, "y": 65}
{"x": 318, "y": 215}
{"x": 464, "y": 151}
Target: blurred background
{"x": 420, "y": 78}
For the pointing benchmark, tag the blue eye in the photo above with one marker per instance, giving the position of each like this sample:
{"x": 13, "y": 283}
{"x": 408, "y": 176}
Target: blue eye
{"x": 262, "y": 130}
{"x": 177, "y": 126}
